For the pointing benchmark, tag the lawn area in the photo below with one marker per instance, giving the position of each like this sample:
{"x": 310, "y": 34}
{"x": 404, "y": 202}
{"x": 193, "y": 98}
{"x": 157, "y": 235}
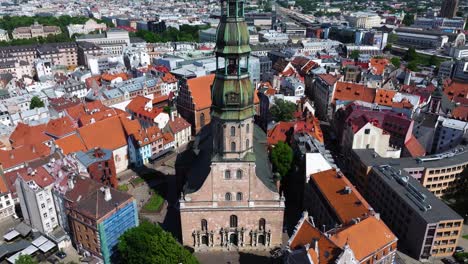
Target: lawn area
{"x": 137, "y": 181}
{"x": 465, "y": 236}
{"x": 154, "y": 204}
{"x": 123, "y": 188}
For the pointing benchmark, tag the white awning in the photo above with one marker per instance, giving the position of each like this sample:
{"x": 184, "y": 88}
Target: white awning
{"x": 39, "y": 241}
{"x": 14, "y": 258}
{"x": 47, "y": 246}
{"x": 10, "y": 235}
{"x": 29, "y": 250}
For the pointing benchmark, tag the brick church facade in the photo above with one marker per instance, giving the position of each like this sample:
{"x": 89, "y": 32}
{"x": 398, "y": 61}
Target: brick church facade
{"x": 229, "y": 198}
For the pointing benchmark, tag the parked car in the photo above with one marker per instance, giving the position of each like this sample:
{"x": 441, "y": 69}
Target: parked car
{"x": 459, "y": 250}
{"x": 448, "y": 261}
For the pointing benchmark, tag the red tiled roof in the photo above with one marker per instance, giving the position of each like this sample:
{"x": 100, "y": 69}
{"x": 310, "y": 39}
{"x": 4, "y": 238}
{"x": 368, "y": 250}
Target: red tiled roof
{"x": 17, "y": 156}
{"x": 60, "y": 127}
{"x": 28, "y": 135}
{"x": 454, "y": 89}
{"x": 414, "y": 148}
{"x": 110, "y": 77}
{"x": 352, "y": 91}
{"x": 365, "y": 238}
{"x": 384, "y": 97}
{"x": 347, "y": 206}
{"x": 40, "y": 176}
{"x": 460, "y": 113}
{"x": 71, "y": 144}
{"x": 200, "y": 89}
{"x": 108, "y": 133}
{"x": 378, "y": 65}
{"x": 159, "y": 99}
{"x": 169, "y": 78}
{"x": 329, "y": 79}
{"x": 178, "y": 124}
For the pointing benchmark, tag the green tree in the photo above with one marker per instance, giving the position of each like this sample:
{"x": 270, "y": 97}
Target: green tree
{"x": 410, "y": 55}
{"x": 26, "y": 259}
{"x": 413, "y": 66}
{"x": 36, "y": 102}
{"x": 281, "y": 158}
{"x": 408, "y": 20}
{"x": 282, "y": 110}
{"x": 396, "y": 62}
{"x": 149, "y": 243}
{"x": 354, "y": 54}
{"x": 434, "y": 61}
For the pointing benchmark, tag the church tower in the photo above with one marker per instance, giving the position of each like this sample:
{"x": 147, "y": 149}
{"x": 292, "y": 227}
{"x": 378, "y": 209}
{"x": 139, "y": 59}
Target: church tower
{"x": 229, "y": 200}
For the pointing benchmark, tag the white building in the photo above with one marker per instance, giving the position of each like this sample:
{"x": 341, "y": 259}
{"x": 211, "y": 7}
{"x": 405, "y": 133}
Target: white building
{"x": 88, "y": 27}
{"x": 105, "y": 62}
{"x": 272, "y": 36}
{"x": 112, "y": 41}
{"x": 4, "y": 35}
{"x": 181, "y": 130}
{"x": 7, "y": 204}
{"x": 43, "y": 68}
{"x": 363, "y": 19}
{"x": 34, "y": 189}
{"x": 135, "y": 57}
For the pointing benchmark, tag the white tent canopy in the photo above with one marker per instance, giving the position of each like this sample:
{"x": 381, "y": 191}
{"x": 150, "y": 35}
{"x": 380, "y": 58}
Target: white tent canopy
{"x": 10, "y": 235}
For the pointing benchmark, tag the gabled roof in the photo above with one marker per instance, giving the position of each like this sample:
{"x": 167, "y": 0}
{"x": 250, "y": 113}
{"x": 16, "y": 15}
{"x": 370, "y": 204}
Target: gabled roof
{"x": 60, "y": 127}
{"x": 414, "y": 147}
{"x": 454, "y": 89}
{"x": 17, "y": 156}
{"x": 345, "y": 91}
{"x": 341, "y": 196}
{"x": 200, "y": 89}
{"x": 70, "y": 144}
{"x": 108, "y": 133}
{"x": 378, "y": 65}
{"x": 329, "y": 78}
{"x": 169, "y": 78}
{"x": 365, "y": 238}
{"x": 28, "y": 135}
{"x": 460, "y": 113}
{"x": 384, "y": 97}
{"x": 178, "y": 124}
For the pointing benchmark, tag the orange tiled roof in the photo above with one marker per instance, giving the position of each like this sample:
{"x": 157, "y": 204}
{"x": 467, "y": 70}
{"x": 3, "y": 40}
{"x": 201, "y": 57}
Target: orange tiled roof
{"x": 169, "y": 78}
{"x": 329, "y": 79}
{"x": 328, "y": 251}
{"x": 14, "y": 157}
{"x": 3, "y": 185}
{"x": 28, "y": 135}
{"x": 85, "y": 120}
{"x": 460, "y": 113}
{"x": 200, "y": 88}
{"x": 159, "y": 99}
{"x": 41, "y": 177}
{"x": 347, "y": 206}
{"x": 137, "y": 103}
{"x": 365, "y": 238}
{"x": 352, "y": 91}
{"x": 71, "y": 144}
{"x": 454, "y": 89}
{"x": 108, "y": 133}
{"x": 384, "y": 97}
{"x": 414, "y": 148}
{"x": 378, "y": 65}
{"x": 178, "y": 124}
{"x": 60, "y": 127}
{"x": 168, "y": 138}
{"x": 110, "y": 77}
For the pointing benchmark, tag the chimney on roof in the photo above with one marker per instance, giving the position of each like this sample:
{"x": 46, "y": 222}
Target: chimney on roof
{"x": 107, "y": 194}
{"x": 347, "y": 190}
{"x": 12, "y": 156}
{"x": 71, "y": 184}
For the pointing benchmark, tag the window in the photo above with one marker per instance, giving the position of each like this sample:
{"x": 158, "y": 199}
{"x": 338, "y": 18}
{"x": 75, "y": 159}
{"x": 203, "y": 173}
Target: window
{"x": 261, "y": 224}
{"x": 204, "y": 225}
{"x": 227, "y": 197}
{"x": 239, "y": 174}
{"x": 239, "y": 196}
{"x": 233, "y": 221}
{"x": 247, "y": 144}
{"x": 233, "y": 131}
{"x": 367, "y": 131}
{"x": 202, "y": 120}
{"x": 227, "y": 174}
{"x": 233, "y": 146}
{"x": 247, "y": 128}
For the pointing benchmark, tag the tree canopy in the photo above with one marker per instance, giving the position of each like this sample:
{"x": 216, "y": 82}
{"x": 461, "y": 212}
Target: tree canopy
{"x": 396, "y": 62}
{"x": 149, "y": 243}
{"x": 36, "y": 102}
{"x": 184, "y": 33}
{"x": 354, "y": 54}
{"x": 26, "y": 259}
{"x": 282, "y": 110}
{"x": 408, "y": 20}
{"x": 282, "y": 158}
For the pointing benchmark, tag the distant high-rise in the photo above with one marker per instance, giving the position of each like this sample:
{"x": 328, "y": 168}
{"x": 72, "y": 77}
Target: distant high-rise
{"x": 449, "y": 8}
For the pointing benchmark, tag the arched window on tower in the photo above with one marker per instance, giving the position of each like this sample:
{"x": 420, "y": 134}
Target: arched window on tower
{"x": 233, "y": 146}
{"x": 233, "y": 221}
{"x": 261, "y": 224}
{"x": 227, "y": 196}
{"x": 202, "y": 120}
{"x": 227, "y": 174}
{"x": 233, "y": 131}
{"x": 239, "y": 174}
{"x": 247, "y": 144}
{"x": 239, "y": 196}
{"x": 204, "y": 225}
{"x": 247, "y": 128}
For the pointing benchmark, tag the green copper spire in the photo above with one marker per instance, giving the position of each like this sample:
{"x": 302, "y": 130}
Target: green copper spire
{"x": 232, "y": 91}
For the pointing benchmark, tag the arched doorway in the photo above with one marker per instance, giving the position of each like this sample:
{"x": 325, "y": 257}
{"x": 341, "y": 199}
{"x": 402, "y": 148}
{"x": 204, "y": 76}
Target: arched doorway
{"x": 204, "y": 240}
{"x": 233, "y": 239}
{"x": 261, "y": 240}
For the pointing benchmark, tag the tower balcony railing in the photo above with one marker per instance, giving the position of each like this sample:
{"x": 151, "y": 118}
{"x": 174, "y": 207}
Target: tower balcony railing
{"x": 232, "y": 75}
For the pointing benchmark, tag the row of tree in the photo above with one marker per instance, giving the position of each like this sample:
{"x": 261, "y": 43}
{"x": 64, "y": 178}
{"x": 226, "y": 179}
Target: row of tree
{"x": 185, "y": 33}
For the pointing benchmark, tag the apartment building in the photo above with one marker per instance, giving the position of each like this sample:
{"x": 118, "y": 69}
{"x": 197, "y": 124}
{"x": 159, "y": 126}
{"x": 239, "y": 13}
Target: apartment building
{"x": 426, "y": 226}
{"x": 64, "y": 54}
{"x": 34, "y": 190}
{"x": 112, "y": 41}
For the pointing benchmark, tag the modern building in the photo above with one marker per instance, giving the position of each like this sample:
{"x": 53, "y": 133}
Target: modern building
{"x": 112, "y": 41}
{"x": 34, "y": 190}
{"x": 229, "y": 199}
{"x": 421, "y": 41}
{"x": 440, "y": 23}
{"x": 98, "y": 216}
{"x": 426, "y": 226}
{"x": 35, "y": 31}
{"x": 449, "y": 8}
{"x": 86, "y": 28}
{"x": 363, "y": 20}
{"x": 272, "y": 36}
{"x": 460, "y": 72}
{"x": 157, "y": 27}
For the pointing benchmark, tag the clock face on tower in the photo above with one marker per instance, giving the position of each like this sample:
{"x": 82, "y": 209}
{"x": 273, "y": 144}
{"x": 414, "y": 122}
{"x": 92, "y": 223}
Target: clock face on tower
{"x": 232, "y": 98}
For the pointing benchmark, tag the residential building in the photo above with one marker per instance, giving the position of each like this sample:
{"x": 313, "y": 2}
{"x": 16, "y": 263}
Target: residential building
{"x": 449, "y": 8}
{"x": 322, "y": 92}
{"x": 34, "y": 190}
{"x": 194, "y": 101}
{"x": 73, "y": 88}
{"x": 100, "y": 165}
{"x": 449, "y": 134}
{"x": 218, "y": 209}
{"x": 112, "y": 41}
{"x": 98, "y": 216}
{"x": 35, "y": 31}
{"x": 292, "y": 86}
{"x": 141, "y": 108}
{"x": 426, "y": 226}
{"x": 86, "y": 28}
{"x": 7, "y": 207}
{"x": 460, "y": 72}
{"x": 181, "y": 129}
